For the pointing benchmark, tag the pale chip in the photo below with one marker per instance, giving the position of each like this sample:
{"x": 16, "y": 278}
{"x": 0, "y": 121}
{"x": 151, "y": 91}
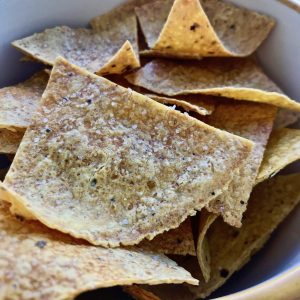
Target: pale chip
{"x": 252, "y": 121}
{"x": 283, "y": 148}
{"x": 117, "y": 159}
{"x": 44, "y": 264}
{"x": 19, "y": 102}
{"x": 236, "y": 78}
{"x": 194, "y": 28}
{"x": 231, "y": 248}
{"x": 86, "y": 48}
{"x": 10, "y": 141}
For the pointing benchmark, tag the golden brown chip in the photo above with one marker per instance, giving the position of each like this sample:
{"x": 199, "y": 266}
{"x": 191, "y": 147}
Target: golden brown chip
{"x": 231, "y": 248}
{"x": 132, "y": 167}
{"x": 201, "y": 105}
{"x": 19, "y": 102}
{"x": 193, "y": 28}
{"x": 254, "y": 122}
{"x": 236, "y": 78}
{"x": 39, "y": 263}
{"x": 178, "y": 241}
{"x": 285, "y": 118}
{"x": 96, "y": 51}
{"x": 10, "y": 141}
{"x": 206, "y": 219}
{"x": 283, "y": 148}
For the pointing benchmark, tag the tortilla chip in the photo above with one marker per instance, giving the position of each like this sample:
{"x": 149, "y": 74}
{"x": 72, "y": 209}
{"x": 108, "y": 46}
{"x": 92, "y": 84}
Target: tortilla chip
{"x": 194, "y": 28}
{"x": 178, "y": 241}
{"x": 39, "y": 263}
{"x": 19, "y": 102}
{"x": 254, "y": 122}
{"x": 114, "y": 157}
{"x": 231, "y": 248}
{"x": 10, "y": 141}
{"x": 285, "y": 118}
{"x": 86, "y": 48}
{"x": 283, "y": 148}
{"x": 206, "y": 219}
{"x": 200, "y": 105}
{"x": 236, "y": 78}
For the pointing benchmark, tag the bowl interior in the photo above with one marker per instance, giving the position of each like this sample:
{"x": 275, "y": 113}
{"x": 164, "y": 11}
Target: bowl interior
{"x": 279, "y": 55}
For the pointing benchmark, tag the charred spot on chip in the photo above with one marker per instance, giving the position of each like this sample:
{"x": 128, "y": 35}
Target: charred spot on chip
{"x": 224, "y": 273}
{"x": 242, "y": 202}
{"x": 194, "y": 26}
{"x": 113, "y": 66}
{"x": 210, "y": 52}
{"x": 93, "y": 182}
{"x": 128, "y": 49}
{"x": 213, "y": 193}
{"x": 151, "y": 184}
{"x": 20, "y": 218}
{"x": 41, "y": 244}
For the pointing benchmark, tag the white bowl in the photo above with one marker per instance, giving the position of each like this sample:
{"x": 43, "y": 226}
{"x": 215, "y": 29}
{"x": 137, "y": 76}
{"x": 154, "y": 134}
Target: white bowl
{"x": 280, "y": 55}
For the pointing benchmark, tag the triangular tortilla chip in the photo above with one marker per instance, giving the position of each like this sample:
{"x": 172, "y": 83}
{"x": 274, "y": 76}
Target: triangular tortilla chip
{"x": 194, "y": 28}
{"x": 251, "y": 121}
{"x": 236, "y": 78}
{"x": 285, "y": 118}
{"x": 231, "y": 248}
{"x": 200, "y": 105}
{"x": 39, "y": 263}
{"x": 10, "y": 141}
{"x": 206, "y": 219}
{"x": 283, "y": 148}
{"x": 106, "y": 154}
{"x": 96, "y": 51}
{"x": 178, "y": 241}
{"x": 19, "y": 102}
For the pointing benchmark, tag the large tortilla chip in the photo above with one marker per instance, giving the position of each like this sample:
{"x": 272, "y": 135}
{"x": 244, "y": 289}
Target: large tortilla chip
{"x": 200, "y": 105}
{"x": 194, "y": 28}
{"x": 19, "y": 102}
{"x": 106, "y": 154}
{"x": 178, "y": 241}
{"x": 10, "y": 141}
{"x": 285, "y": 118}
{"x": 236, "y": 78}
{"x": 39, "y": 263}
{"x": 251, "y": 121}
{"x": 96, "y": 51}
{"x": 283, "y": 148}
{"x": 231, "y": 248}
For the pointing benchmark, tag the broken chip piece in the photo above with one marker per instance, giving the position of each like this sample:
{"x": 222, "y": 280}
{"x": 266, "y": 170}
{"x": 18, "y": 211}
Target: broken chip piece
{"x": 193, "y": 28}
{"x": 86, "y": 48}
{"x": 236, "y": 78}
{"x": 106, "y": 154}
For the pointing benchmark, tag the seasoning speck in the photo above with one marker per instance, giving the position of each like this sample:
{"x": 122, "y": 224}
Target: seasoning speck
{"x": 41, "y": 244}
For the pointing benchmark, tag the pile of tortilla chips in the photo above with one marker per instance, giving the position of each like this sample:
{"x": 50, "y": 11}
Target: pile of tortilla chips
{"x": 154, "y": 178}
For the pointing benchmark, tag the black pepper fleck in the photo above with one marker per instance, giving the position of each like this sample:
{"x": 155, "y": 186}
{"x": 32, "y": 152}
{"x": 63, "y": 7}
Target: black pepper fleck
{"x": 213, "y": 193}
{"x": 19, "y": 218}
{"x": 224, "y": 273}
{"x": 242, "y": 202}
{"x": 112, "y": 199}
{"x": 113, "y": 66}
{"x": 232, "y": 27}
{"x": 66, "y": 99}
{"x": 94, "y": 182}
{"x": 89, "y": 101}
{"x": 48, "y": 130}
{"x": 41, "y": 244}
{"x": 194, "y": 26}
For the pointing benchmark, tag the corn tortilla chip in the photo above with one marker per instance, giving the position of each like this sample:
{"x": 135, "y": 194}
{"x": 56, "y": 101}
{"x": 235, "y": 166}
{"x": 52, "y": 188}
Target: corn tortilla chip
{"x": 206, "y": 219}
{"x": 254, "y": 122}
{"x": 19, "y": 102}
{"x": 96, "y": 51}
{"x": 114, "y": 157}
{"x": 236, "y": 78}
{"x": 10, "y": 141}
{"x": 178, "y": 241}
{"x": 39, "y": 263}
{"x": 285, "y": 118}
{"x": 231, "y": 248}
{"x": 283, "y": 148}
{"x": 200, "y": 105}
{"x": 194, "y": 28}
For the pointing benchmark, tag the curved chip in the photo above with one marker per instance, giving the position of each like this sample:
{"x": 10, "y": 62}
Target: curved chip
{"x": 194, "y": 29}
{"x": 283, "y": 148}
{"x": 96, "y": 51}
{"x": 206, "y": 219}
{"x": 103, "y": 153}
{"x": 10, "y": 141}
{"x": 200, "y": 105}
{"x": 19, "y": 102}
{"x": 39, "y": 263}
{"x": 236, "y": 78}
{"x": 254, "y": 122}
{"x": 231, "y": 248}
